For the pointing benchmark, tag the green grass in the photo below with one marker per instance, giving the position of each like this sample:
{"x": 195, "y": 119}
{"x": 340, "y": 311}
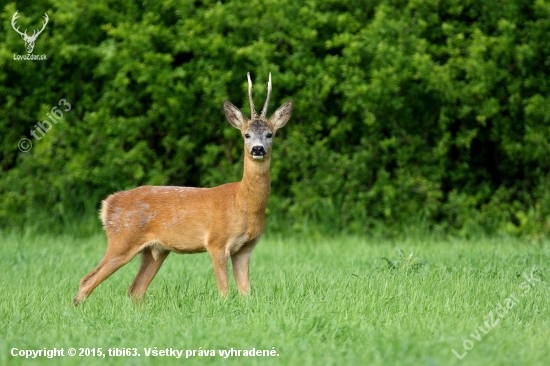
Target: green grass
{"x": 322, "y": 301}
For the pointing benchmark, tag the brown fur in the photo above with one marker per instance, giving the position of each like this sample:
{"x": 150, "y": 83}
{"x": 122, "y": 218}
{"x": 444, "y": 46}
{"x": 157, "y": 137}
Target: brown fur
{"x": 226, "y": 221}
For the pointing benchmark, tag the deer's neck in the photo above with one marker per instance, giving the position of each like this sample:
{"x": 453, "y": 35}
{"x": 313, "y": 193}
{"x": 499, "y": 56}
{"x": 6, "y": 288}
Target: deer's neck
{"x": 254, "y": 193}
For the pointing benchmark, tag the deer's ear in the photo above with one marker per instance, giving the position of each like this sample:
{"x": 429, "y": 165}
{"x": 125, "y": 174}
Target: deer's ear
{"x": 234, "y": 115}
{"x": 282, "y": 115}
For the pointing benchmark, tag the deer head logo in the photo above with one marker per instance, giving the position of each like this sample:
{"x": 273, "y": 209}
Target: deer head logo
{"x": 29, "y": 40}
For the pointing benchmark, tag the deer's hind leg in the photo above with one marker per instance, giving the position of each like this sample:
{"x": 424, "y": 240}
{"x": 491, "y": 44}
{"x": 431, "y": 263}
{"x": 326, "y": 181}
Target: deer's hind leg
{"x": 115, "y": 257}
{"x": 151, "y": 261}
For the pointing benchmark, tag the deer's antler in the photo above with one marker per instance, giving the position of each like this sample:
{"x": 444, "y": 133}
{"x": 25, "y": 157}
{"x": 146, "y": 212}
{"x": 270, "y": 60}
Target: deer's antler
{"x": 24, "y": 34}
{"x": 15, "y": 16}
{"x": 253, "y": 113}
{"x": 34, "y": 34}
{"x": 264, "y": 110}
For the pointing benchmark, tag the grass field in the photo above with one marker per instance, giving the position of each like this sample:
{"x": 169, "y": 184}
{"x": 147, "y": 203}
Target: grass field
{"x": 323, "y": 301}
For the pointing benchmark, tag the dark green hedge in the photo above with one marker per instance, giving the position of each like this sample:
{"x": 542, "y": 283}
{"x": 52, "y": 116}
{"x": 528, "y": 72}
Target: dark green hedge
{"x": 405, "y": 111}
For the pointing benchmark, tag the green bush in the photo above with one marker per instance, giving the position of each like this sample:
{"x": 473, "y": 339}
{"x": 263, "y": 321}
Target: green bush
{"x": 406, "y": 112}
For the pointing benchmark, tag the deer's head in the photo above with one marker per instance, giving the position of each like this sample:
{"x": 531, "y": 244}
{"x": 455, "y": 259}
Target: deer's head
{"x": 29, "y": 40}
{"x": 258, "y": 132}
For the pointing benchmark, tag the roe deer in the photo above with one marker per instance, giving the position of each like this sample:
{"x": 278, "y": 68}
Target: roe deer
{"x": 226, "y": 221}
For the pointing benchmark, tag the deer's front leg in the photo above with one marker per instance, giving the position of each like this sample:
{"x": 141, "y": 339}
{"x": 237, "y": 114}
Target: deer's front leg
{"x": 240, "y": 271}
{"x": 219, "y": 264}
{"x": 241, "y": 261}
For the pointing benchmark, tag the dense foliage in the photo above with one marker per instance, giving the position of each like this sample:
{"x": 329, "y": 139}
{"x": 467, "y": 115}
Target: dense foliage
{"x": 405, "y": 111}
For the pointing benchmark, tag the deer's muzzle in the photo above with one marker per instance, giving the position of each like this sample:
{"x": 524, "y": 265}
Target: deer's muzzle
{"x": 258, "y": 152}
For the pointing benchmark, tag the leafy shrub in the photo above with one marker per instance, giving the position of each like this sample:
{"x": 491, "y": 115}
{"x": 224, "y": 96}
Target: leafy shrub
{"x": 405, "y": 111}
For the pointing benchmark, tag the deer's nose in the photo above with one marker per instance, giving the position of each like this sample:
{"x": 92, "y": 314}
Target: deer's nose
{"x": 258, "y": 150}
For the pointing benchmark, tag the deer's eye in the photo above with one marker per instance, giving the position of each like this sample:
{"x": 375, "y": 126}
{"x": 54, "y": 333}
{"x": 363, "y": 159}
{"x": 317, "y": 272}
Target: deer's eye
{"x": 246, "y": 135}
{"x": 269, "y": 135}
